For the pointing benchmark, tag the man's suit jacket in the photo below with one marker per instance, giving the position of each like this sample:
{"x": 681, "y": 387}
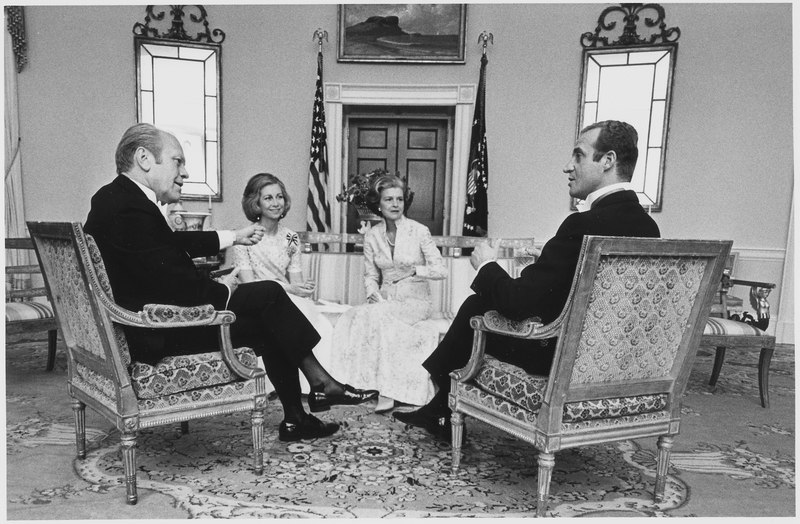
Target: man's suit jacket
{"x": 146, "y": 261}
{"x": 543, "y": 287}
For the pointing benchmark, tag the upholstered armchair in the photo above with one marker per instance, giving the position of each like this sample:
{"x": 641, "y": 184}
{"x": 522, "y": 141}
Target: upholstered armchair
{"x": 728, "y": 326}
{"x": 627, "y": 338}
{"x": 133, "y": 395}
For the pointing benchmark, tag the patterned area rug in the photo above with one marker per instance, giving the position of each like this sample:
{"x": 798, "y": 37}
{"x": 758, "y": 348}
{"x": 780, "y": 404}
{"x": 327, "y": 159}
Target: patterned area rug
{"x": 733, "y": 458}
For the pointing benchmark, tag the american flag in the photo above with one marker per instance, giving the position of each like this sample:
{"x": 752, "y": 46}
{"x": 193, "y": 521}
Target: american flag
{"x": 476, "y": 211}
{"x": 318, "y": 214}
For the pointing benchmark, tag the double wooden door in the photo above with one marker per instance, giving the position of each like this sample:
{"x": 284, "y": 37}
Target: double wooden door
{"x": 417, "y": 148}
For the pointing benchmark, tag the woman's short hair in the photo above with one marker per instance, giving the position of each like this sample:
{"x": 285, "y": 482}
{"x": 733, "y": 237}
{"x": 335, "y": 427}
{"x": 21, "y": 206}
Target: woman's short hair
{"x": 382, "y": 183}
{"x": 139, "y": 135}
{"x": 252, "y": 194}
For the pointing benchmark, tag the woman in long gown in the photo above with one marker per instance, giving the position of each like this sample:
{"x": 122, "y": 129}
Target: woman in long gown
{"x": 277, "y": 256}
{"x": 382, "y": 344}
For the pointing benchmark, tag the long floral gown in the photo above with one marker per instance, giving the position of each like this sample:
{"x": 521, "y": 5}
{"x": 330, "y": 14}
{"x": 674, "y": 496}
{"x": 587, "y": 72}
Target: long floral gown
{"x": 281, "y": 253}
{"x": 382, "y": 345}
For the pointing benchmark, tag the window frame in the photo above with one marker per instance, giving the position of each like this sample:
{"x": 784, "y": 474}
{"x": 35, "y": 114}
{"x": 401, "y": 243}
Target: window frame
{"x": 211, "y": 179}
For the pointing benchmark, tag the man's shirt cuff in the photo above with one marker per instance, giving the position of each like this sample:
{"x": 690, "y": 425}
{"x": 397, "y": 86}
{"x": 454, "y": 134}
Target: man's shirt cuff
{"x": 226, "y": 239}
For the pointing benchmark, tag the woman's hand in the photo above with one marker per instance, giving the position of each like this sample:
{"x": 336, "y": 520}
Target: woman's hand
{"x": 374, "y": 298}
{"x": 305, "y": 289}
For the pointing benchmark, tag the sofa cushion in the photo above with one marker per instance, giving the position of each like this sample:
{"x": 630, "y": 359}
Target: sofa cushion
{"x": 30, "y": 310}
{"x": 175, "y": 374}
{"x": 724, "y": 326}
{"x": 525, "y": 391}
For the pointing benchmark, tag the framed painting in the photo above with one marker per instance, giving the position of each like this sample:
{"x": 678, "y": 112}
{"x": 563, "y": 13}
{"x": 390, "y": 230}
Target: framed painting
{"x": 409, "y": 33}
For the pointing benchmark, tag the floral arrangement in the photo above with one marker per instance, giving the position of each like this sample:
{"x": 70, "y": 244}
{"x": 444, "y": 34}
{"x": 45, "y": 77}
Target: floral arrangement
{"x": 356, "y": 191}
{"x": 358, "y": 186}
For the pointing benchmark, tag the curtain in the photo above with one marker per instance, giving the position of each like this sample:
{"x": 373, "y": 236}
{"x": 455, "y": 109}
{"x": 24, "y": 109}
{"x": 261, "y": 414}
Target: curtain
{"x": 15, "y": 212}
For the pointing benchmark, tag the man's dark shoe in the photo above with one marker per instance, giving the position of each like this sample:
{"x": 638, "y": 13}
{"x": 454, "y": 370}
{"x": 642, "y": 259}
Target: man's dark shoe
{"x": 321, "y": 401}
{"x": 436, "y": 422}
{"x": 308, "y": 428}
{"x": 423, "y": 417}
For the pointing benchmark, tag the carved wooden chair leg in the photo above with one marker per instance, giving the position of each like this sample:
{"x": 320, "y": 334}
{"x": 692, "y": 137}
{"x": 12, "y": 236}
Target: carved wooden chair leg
{"x": 129, "y": 465}
{"x": 457, "y": 423}
{"x": 719, "y": 358}
{"x": 764, "y": 361}
{"x": 184, "y": 427}
{"x": 662, "y": 467}
{"x": 257, "y": 422}
{"x": 52, "y": 341}
{"x": 79, "y": 410}
{"x": 546, "y": 463}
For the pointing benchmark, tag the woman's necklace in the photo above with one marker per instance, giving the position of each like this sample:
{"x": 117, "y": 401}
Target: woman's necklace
{"x": 388, "y": 240}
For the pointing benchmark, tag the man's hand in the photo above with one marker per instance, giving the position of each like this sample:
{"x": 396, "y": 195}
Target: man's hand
{"x": 247, "y": 236}
{"x": 230, "y": 280}
{"x": 484, "y": 251}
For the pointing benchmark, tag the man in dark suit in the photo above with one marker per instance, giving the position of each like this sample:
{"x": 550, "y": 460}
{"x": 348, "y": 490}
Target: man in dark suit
{"x": 147, "y": 262}
{"x": 599, "y": 173}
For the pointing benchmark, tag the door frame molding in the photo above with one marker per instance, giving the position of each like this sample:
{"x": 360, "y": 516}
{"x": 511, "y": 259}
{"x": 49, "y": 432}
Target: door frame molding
{"x": 459, "y": 96}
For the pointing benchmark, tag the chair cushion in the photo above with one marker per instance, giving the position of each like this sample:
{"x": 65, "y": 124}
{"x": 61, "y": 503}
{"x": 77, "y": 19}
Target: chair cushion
{"x": 727, "y": 327}
{"x": 515, "y": 386}
{"x": 16, "y": 311}
{"x": 213, "y": 396}
{"x": 175, "y": 374}
{"x": 511, "y": 383}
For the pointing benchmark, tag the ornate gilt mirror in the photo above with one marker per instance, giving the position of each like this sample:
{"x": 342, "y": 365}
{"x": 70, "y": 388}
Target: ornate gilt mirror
{"x": 630, "y": 79}
{"x": 178, "y": 89}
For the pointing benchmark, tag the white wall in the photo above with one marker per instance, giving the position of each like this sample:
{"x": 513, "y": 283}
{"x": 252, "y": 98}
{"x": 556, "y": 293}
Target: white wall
{"x": 729, "y": 161}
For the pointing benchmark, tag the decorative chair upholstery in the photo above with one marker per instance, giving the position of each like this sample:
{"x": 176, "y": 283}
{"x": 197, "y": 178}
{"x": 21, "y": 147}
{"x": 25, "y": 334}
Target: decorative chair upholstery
{"x": 727, "y": 328}
{"x": 28, "y": 308}
{"x": 627, "y": 338}
{"x": 134, "y": 395}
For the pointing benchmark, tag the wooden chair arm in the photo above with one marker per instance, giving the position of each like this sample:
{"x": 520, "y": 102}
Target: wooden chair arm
{"x": 23, "y": 270}
{"x": 529, "y": 328}
{"x": 26, "y": 293}
{"x": 168, "y": 316}
{"x": 494, "y": 322}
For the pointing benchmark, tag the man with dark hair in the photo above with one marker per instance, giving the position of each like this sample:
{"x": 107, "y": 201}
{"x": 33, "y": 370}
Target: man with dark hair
{"x": 599, "y": 172}
{"x": 147, "y": 262}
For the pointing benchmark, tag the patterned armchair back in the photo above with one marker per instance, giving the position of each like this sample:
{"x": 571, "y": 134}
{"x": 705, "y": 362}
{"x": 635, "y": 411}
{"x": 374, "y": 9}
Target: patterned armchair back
{"x": 638, "y": 311}
{"x": 75, "y": 276}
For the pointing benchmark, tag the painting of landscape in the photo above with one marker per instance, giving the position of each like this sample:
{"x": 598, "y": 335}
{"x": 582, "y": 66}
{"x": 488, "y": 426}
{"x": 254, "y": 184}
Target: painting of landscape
{"x": 402, "y": 32}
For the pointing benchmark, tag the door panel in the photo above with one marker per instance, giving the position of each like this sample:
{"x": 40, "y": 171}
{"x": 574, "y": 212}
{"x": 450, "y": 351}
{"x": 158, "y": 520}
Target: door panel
{"x": 421, "y": 153}
{"x": 373, "y": 145}
{"x": 415, "y": 147}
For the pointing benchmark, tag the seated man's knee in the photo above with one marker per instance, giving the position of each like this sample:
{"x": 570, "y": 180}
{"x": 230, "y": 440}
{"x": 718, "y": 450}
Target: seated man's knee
{"x": 474, "y": 305}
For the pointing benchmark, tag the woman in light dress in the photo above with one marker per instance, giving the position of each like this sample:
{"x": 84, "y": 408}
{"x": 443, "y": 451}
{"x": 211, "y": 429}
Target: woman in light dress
{"x": 381, "y": 344}
{"x": 277, "y": 256}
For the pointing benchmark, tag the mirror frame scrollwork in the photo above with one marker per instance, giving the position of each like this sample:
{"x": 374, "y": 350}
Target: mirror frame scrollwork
{"x": 203, "y": 52}
{"x": 653, "y": 59}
